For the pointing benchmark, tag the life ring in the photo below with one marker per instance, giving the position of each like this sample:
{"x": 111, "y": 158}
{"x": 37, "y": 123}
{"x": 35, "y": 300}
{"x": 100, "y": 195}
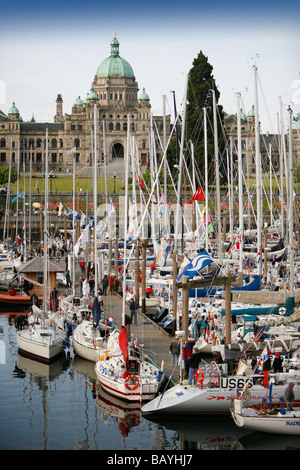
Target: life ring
{"x": 134, "y": 385}
{"x": 199, "y": 376}
{"x": 134, "y": 417}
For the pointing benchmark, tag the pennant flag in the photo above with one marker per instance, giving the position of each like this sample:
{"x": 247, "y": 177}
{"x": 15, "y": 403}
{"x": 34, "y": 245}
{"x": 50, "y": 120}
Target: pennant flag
{"x": 39, "y": 149}
{"x": 163, "y": 253}
{"x": 71, "y": 150}
{"x": 84, "y": 237}
{"x": 82, "y": 219}
{"x": 196, "y": 265}
{"x": 70, "y": 213}
{"x": 198, "y": 196}
{"x": 123, "y": 343}
{"x": 60, "y": 208}
{"x": 91, "y": 222}
{"x": 141, "y": 183}
{"x": 21, "y": 195}
{"x": 75, "y": 217}
{"x": 111, "y": 318}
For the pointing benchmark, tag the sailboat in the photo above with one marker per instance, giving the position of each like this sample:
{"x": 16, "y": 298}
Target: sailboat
{"x": 42, "y": 340}
{"x": 125, "y": 372}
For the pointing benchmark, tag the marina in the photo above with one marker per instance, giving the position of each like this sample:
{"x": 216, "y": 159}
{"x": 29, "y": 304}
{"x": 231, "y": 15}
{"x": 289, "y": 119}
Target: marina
{"x": 152, "y": 302}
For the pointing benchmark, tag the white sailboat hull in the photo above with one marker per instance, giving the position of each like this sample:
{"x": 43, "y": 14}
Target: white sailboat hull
{"x": 145, "y": 383}
{"x": 192, "y": 400}
{"x": 254, "y": 420}
{"x": 42, "y": 344}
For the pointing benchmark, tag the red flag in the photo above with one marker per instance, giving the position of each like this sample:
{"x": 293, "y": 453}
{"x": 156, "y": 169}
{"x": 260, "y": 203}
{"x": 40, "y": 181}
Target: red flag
{"x": 141, "y": 183}
{"x": 198, "y": 196}
{"x": 123, "y": 343}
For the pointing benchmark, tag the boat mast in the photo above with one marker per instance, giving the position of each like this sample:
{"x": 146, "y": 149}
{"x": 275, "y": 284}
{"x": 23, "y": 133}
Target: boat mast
{"x": 73, "y": 234}
{"x": 179, "y": 209}
{"x": 206, "y": 178}
{"x": 125, "y": 219}
{"x": 291, "y": 204}
{"x": 217, "y": 171}
{"x": 240, "y": 176}
{"x": 95, "y": 199}
{"x": 258, "y": 177}
{"x": 45, "y": 284}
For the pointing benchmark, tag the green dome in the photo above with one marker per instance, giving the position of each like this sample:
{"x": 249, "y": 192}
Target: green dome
{"x": 243, "y": 115}
{"x": 144, "y": 96}
{"x": 114, "y": 65}
{"x": 92, "y": 95}
{"x": 78, "y": 101}
{"x": 251, "y": 112}
{"x": 13, "y": 109}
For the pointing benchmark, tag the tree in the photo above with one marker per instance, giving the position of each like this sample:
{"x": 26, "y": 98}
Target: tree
{"x": 4, "y": 173}
{"x": 201, "y": 82}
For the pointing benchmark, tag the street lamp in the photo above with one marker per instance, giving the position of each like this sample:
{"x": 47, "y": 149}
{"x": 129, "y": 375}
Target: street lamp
{"x": 114, "y": 177}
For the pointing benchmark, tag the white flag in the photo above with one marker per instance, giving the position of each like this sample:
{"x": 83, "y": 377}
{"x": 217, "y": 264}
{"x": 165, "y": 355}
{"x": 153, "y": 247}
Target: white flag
{"x": 81, "y": 240}
{"x": 72, "y": 150}
{"x": 60, "y": 208}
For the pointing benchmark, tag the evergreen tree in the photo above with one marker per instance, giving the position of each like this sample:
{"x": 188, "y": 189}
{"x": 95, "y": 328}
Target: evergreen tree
{"x": 201, "y": 82}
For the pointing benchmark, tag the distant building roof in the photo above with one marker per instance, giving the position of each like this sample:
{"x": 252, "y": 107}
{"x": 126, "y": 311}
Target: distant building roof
{"x": 36, "y": 265}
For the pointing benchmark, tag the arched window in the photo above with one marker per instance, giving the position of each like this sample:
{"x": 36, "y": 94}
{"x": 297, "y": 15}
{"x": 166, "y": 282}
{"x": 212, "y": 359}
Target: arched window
{"x": 118, "y": 126}
{"x": 110, "y": 126}
{"x": 31, "y": 143}
{"x": 76, "y": 143}
{"x": 54, "y": 143}
{"x": 3, "y": 143}
{"x": 125, "y": 126}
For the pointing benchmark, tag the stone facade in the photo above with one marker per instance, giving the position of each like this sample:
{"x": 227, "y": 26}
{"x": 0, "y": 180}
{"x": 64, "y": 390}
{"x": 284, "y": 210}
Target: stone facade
{"x": 114, "y": 97}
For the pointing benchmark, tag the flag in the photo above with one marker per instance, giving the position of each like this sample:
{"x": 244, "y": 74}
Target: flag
{"x": 39, "y": 149}
{"x": 163, "y": 253}
{"x": 198, "y": 196}
{"x": 91, "y": 222}
{"x": 196, "y": 265}
{"x": 83, "y": 237}
{"x": 123, "y": 343}
{"x": 71, "y": 150}
{"x": 21, "y": 195}
{"x": 60, "y": 208}
{"x": 111, "y": 318}
{"x": 135, "y": 343}
{"x": 141, "y": 183}
{"x": 70, "y": 213}
{"x": 75, "y": 217}
{"x": 82, "y": 219}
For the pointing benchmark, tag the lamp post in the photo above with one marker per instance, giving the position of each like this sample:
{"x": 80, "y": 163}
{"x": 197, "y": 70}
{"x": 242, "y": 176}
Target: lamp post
{"x": 114, "y": 177}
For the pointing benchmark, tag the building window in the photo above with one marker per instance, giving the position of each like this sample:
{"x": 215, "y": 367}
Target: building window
{"x": 125, "y": 126}
{"x": 72, "y": 127}
{"x": 3, "y": 157}
{"x": 118, "y": 126}
{"x": 110, "y": 126}
{"x": 53, "y": 157}
{"x": 80, "y": 127}
{"x": 77, "y": 143}
{"x": 3, "y": 143}
{"x": 54, "y": 143}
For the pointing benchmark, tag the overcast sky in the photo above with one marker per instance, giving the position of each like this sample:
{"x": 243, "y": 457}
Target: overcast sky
{"x": 55, "y": 48}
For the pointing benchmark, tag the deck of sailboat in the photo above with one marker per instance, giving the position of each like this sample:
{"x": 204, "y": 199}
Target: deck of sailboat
{"x": 147, "y": 332}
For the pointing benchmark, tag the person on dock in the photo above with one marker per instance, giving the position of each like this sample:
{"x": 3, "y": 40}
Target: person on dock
{"x": 133, "y": 306}
{"x": 54, "y": 299}
{"x": 289, "y": 396}
{"x": 186, "y": 354}
{"x": 105, "y": 284}
{"x": 152, "y": 268}
{"x": 277, "y": 363}
{"x": 175, "y": 351}
{"x": 68, "y": 279}
{"x": 193, "y": 365}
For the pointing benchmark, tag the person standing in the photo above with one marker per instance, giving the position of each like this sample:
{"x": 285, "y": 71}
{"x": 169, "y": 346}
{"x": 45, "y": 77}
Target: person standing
{"x": 54, "y": 299}
{"x": 68, "y": 279}
{"x": 105, "y": 284}
{"x": 277, "y": 363}
{"x": 289, "y": 396}
{"x": 193, "y": 364}
{"x": 266, "y": 367}
{"x": 133, "y": 306}
{"x": 175, "y": 351}
{"x": 186, "y": 354}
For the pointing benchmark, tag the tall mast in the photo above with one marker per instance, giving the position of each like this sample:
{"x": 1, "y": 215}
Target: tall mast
{"x": 258, "y": 177}
{"x": 217, "y": 177}
{"x": 291, "y": 205}
{"x": 95, "y": 199}
{"x": 179, "y": 209}
{"x": 240, "y": 176}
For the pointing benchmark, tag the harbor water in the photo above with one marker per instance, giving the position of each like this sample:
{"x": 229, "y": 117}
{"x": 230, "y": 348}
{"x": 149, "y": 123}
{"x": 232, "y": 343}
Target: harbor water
{"x": 62, "y": 407}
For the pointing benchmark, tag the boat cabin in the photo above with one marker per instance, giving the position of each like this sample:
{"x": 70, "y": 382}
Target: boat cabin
{"x": 33, "y": 273}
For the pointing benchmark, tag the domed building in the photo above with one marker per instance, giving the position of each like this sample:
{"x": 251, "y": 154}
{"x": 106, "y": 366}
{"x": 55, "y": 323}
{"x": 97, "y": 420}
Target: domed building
{"x": 114, "y": 97}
